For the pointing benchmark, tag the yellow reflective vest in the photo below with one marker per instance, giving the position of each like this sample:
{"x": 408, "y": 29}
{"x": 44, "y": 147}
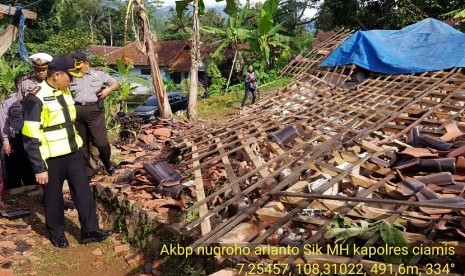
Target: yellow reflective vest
{"x": 48, "y": 129}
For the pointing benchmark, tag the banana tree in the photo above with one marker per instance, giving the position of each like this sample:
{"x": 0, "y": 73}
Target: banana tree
{"x": 266, "y": 40}
{"x": 233, "y": 35}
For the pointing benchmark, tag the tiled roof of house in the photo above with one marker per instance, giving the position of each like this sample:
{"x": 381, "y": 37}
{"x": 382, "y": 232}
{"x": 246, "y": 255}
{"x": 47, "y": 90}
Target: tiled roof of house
{"x": 132, "y": 53}
{"x": 182, "y": 62}
{"x": 102, "y": 49}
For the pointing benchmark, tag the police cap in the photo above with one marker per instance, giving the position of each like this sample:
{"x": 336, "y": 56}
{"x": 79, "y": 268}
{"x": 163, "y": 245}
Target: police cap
{"x": 65, "y": 63}
{"x": 40, "y": 60}
{"x": 80, "y": 57}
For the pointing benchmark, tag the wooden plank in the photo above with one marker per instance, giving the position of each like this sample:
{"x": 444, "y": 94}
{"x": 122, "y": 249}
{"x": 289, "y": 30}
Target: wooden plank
{"x": 358, "y": 180}
{"x": 364, "y": 211}
{"x": 5, "y": 9}
{"x": 249, "y": 154}
{"x": 205, "y": 224}
{"x": 367, "y": 165}
{"x": 229, "y": 170}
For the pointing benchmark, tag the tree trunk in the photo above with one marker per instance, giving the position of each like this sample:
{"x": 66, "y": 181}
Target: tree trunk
{"x": 111, "y": 29}
{"x": 195, "y": 59}
{"x": 163, "y": 104}
{"x": 232, "y": 68}
{"x": 91, "y": 24}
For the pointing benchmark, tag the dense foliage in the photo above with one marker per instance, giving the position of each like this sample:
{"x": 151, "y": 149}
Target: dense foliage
{"x": 273, "y": 30}
{"x": 380, "y": 14}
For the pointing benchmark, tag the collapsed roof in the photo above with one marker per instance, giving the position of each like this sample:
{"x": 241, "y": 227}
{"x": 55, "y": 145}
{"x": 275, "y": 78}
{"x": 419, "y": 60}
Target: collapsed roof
{"x": 428, "y": 45}
{"x": 338, "y": 141}
{"x": 372, "y": 147}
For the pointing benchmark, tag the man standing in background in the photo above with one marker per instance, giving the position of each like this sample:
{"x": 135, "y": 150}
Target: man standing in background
{"x": 88, "y": 92}
{"x": 250, "y": 80}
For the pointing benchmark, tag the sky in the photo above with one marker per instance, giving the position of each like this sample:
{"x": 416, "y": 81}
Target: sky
{"x": 309, "y": 13}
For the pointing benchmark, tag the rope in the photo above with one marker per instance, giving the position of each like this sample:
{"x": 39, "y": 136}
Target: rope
{"x": 24, "y": 54}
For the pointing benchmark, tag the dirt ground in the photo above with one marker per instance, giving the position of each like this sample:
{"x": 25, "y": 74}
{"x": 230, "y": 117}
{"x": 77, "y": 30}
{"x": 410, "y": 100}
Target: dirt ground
{"x": 26, "y": 250}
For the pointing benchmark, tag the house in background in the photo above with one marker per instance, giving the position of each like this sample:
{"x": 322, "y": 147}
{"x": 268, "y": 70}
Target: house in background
{"x": 180, "y": 66}
{"x": 173, "y": 58}
{"x": 102, "y": 49}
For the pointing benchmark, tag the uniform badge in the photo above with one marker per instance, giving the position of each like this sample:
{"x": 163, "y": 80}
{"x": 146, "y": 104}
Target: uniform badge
{"x": 34, "y": 90}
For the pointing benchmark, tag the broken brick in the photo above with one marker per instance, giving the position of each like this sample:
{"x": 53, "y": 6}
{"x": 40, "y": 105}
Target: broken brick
{"x": 121, "y": 248}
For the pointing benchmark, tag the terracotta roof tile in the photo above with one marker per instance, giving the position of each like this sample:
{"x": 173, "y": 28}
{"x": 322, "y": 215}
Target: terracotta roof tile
{"x": 182, "y": 62}
{"x": 132, "y": 53}
{"x": 101, "y": 50}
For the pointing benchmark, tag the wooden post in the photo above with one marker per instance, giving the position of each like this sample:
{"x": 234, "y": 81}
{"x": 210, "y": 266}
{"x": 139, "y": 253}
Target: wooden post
{"x": 11, "y": 10}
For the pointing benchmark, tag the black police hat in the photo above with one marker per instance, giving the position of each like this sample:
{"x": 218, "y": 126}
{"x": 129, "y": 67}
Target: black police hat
{"x": 65, "y": 63}
{"x": 80, "y": 57}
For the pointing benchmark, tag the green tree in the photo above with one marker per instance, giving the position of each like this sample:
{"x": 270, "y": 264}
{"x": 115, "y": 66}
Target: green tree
{"x": 337, "y": 13}
{"x": 292, "y": 14}
{"x": 211, "y": 18}
{"x": 114, "y": 102}
{"x": 68, "y": 41}
{"x": 177, "y": 26}
{"x": 8, "y": 72}
{"x": 380, "y": 14}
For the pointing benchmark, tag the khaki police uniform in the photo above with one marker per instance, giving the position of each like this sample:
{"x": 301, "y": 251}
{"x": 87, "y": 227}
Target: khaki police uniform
{"x": 17, "y": 165}
{"x": 27, "y": 86}
{"x": 90, "y": 119}
{"x": 52, "y": 144}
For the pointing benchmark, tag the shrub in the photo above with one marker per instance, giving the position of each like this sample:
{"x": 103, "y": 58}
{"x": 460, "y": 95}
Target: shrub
{"x": 217, "y": 82}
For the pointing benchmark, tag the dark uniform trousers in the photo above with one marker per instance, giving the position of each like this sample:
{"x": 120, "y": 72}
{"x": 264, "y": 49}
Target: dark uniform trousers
{"x": 72, "y": 168}
{"x": 90, "y": 124}
{"x": 17, "y": 165}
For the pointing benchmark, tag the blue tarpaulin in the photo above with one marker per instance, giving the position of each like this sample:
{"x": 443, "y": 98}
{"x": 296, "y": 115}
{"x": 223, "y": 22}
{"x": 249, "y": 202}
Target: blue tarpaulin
{"x": 428, "y": 45}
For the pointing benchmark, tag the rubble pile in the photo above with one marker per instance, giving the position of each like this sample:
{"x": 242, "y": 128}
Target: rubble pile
{"x": 324, "y": 146}
{"x": 143, "y": 174}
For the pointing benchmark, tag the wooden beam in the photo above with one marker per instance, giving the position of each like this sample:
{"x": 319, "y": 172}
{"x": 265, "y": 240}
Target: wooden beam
{"x": 205, "y": 224}
{"x": 373, "y": 200}
{"x": 10, "y": 10}
{"x": 358, "y": 180}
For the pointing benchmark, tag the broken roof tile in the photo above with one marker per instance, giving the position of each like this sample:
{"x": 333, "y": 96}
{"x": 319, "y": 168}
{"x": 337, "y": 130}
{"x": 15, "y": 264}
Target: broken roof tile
{"x": 419, "y": 152}
{"x": 456, "y": 152}
{"x": 413, "y": 184}
{"x": 441, "y": 179}
{"x": 437, "y": 165}
{"x": 412, "y": 138}
{"x": 452, "y": 132}
{"x": 434, "y": 142}
{"x": 163, "y": 173}
{"x": 285, "y": 135}
{"x": 405, "y": 163}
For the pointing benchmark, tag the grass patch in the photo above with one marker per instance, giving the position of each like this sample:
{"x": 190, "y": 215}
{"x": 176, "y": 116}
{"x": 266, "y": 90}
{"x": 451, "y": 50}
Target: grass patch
{"x": 219, "y": 105}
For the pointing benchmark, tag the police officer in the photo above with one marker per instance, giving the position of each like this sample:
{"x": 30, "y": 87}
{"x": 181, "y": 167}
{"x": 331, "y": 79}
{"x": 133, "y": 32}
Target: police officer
{"x": 39, "y": 62}
{"x": 52, "y": 144}
{"x": 95, "y": 85}
{"x": 17, "y": 165}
